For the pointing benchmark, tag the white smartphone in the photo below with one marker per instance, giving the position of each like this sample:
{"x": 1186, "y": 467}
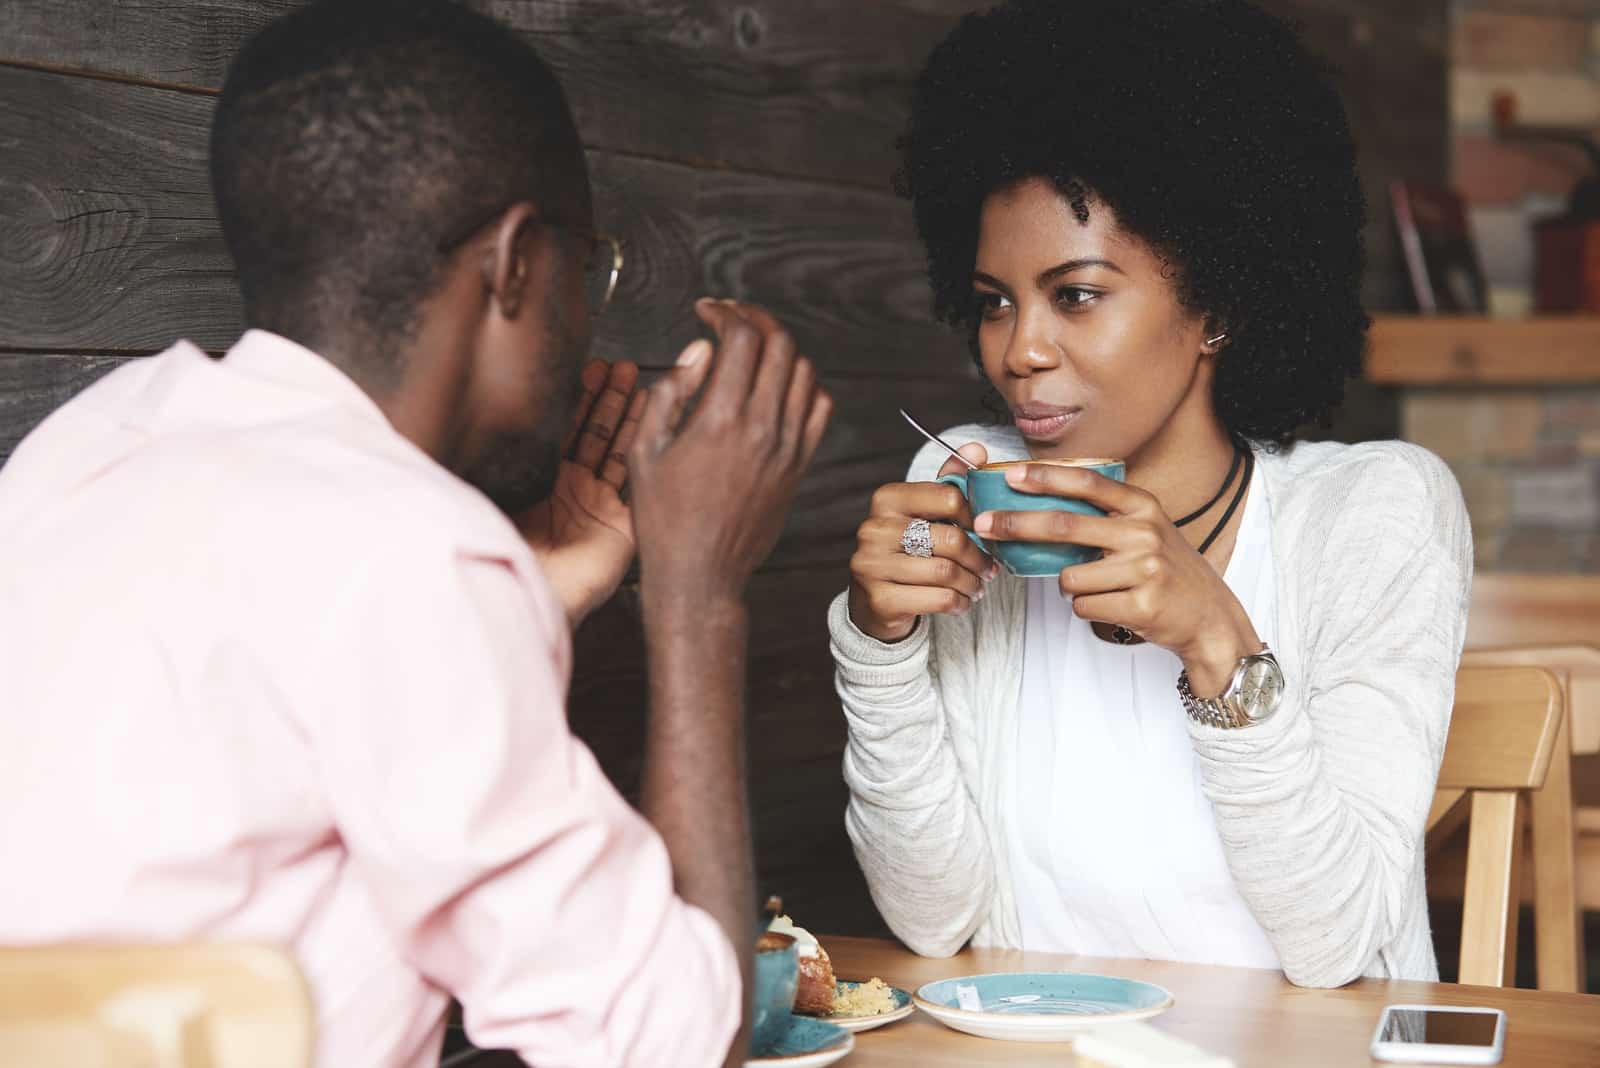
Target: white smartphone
{"x": 1439, "y": 1034}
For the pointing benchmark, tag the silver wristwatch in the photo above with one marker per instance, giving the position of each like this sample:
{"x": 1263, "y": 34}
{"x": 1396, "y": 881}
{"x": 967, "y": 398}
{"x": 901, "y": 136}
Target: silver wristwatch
{"x": 1251, "y": 697}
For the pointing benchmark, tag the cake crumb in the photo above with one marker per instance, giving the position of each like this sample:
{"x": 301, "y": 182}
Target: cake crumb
{"x": 872, "y": 998}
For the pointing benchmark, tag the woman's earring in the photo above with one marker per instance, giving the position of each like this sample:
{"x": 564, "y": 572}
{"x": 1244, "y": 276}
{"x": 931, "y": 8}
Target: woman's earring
{"x": 1219, "y": 339}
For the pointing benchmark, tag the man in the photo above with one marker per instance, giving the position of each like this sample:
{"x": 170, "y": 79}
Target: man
{"x": 273, "y": 666}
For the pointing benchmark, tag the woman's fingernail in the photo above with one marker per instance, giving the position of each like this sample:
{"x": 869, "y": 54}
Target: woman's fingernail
{"x": 979, "y": 595}
{"x": 694, "y": 352}
{"x": 992, "y": 574}
{"x": 1016, "y": 476}
{"x": 982, "y": 523}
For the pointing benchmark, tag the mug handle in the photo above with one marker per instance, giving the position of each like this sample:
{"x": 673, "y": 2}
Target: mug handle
{"x": 958, "y": 479}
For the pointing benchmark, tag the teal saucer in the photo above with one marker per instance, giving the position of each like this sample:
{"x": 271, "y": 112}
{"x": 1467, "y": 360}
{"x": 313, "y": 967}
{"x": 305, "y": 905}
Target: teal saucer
{"x": 807, "y": 1043}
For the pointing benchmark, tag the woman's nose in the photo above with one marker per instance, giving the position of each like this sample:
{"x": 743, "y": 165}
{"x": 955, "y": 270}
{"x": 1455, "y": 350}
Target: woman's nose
{"x": 1032, "y": 348}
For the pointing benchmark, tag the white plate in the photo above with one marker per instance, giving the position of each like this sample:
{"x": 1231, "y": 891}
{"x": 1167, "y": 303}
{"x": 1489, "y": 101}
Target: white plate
{"x": 1038, "y": 1006}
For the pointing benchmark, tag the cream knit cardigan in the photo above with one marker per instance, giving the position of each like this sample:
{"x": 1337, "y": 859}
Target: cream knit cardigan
{"x": 1320, "y": 809}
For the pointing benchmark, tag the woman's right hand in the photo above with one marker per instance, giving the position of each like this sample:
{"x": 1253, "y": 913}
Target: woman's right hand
{"x": 889, "y": 589}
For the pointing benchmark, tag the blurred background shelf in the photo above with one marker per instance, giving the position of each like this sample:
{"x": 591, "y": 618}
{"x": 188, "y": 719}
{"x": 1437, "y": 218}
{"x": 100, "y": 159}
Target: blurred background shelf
{"x": 1417, "y": 350}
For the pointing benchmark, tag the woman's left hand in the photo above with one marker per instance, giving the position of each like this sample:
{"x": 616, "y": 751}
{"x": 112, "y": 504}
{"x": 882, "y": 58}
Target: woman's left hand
{"x": 1149, "y": 579}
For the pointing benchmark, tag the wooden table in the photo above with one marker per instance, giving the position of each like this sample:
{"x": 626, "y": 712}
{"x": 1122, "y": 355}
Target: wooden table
{"x": 1254, "y": 1016}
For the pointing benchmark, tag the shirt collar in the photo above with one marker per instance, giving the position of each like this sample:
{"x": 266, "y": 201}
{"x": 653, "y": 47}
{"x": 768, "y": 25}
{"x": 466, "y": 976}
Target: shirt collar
{"x": 274, "y": 358}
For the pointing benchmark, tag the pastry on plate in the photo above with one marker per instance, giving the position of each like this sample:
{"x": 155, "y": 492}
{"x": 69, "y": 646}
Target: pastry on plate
{"x": 814, "y": 997}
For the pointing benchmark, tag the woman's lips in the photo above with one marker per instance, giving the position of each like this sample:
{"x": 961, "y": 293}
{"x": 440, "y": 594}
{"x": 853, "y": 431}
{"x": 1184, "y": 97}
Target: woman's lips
{"x": 1043, "y": 421}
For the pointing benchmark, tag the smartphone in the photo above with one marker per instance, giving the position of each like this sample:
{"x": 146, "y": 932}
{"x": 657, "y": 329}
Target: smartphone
{"x": 1439, "y": 1034}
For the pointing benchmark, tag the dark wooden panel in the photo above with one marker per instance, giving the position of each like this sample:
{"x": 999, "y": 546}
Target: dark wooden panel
{"x": 108, "y": 241}
{"x": 818, "y": 89}
{"x": 31, "y": 387}
{"x": 867, "y": 445}
{"x": 796, "y": 738}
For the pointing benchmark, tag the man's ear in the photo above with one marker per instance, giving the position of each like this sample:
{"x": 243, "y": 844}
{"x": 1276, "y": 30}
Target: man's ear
{"x": 508, "y": 260}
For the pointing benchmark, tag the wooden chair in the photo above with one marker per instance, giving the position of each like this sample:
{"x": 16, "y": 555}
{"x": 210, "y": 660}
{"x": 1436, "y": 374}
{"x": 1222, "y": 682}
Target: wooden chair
{"x": 1502, "y": 734}
{"x": 1561, "y": 886}
{"x": 184, "y": 1006}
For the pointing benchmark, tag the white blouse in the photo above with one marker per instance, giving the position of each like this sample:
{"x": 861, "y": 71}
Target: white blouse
{"x": 1112, "y": 840}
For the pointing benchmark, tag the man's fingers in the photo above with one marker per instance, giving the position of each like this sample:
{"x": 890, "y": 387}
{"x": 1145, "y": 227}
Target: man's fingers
{"x": 592, "y": 380}
{"x": 973, "y": 451}
{"x": 796, "y": 415}
{"x": 605, "y": 418}
{"x": 738, "y": 353}
{"x": 816, "y": 426}
{"x": 615, "y": 468}
{"x": 773, "y": 376}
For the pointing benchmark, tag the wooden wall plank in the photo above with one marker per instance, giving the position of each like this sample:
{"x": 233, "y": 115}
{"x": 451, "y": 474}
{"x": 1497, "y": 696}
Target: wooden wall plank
{"x": 110, "y": 241}
{"x": 818, "y": 89}
{"x": 31, "y": 387}
{"x": 796, "y": 738}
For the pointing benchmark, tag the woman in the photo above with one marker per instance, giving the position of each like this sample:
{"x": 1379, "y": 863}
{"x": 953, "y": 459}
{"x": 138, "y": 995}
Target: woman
{"x": 1219, "y": 741}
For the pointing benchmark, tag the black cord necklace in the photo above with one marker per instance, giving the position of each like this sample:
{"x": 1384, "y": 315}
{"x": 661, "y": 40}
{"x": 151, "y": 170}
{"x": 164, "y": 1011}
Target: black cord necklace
{"x": 1233, "y": 469}
{"x": 1241, "y": 455}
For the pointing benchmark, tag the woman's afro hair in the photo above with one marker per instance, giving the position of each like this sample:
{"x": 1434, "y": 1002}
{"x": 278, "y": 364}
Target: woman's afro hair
{"x": 1213, "y": 135}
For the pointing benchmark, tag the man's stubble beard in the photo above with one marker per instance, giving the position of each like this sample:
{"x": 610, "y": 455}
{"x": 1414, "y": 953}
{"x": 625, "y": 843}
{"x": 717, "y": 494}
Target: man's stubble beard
{"x": 518, "y": 469}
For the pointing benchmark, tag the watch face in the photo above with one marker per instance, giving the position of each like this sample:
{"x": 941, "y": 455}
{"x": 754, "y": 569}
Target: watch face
{"x": 1260, "y": 687}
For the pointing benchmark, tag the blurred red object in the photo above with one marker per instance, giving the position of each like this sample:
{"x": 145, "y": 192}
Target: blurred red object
{"x": 1567, "y": 246}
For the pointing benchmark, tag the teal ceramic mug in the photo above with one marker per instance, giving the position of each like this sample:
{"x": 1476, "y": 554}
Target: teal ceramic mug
{"x": 986, "y": 490}
{"x": 776, "y": 980}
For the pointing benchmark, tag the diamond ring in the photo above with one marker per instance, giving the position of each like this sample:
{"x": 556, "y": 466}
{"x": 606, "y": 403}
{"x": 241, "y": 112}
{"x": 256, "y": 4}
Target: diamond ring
{"x": 917, "y": 539}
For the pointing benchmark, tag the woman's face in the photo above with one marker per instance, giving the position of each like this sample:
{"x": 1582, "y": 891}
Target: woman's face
{"x": 1080, "y": 331}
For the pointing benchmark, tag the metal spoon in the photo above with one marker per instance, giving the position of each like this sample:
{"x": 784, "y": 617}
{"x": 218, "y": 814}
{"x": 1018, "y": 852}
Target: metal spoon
{"x": 937, "y": 440}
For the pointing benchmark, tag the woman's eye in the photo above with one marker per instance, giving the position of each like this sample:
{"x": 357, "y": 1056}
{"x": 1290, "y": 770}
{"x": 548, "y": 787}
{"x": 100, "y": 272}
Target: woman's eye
{"x": 1075, "y": 296}
{"x": 991, "y": 305}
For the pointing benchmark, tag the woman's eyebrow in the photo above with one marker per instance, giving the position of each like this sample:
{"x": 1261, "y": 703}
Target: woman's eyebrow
{"x": 1072, "y": 265}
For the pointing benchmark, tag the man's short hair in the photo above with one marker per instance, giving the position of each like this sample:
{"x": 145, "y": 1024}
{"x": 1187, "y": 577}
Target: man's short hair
{"x": 354, "y": 139}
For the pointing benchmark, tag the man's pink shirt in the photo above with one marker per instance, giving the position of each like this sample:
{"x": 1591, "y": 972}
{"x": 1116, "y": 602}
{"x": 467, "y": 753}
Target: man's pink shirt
{"x": 269, "y": 672}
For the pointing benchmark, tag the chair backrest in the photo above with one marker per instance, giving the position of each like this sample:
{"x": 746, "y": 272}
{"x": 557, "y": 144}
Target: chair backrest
{"x": 1502, "y": 734}
{"x": 1576, "y": 666}
{"x": 147, "y": 1006}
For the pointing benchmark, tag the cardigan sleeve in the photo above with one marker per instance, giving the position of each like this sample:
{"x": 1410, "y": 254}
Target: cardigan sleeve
{"x": 1322, "y": 808}
{"x": 915, "y": 827}
{"x": 912, "y": 819}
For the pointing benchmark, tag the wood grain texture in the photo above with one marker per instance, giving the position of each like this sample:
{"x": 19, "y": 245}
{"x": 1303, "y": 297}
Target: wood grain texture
{"x": 108, "y": 241}
{"x": 795, "y": 728}
{"x": 1471, "y": 350}
{"x": 818, "y": 89}
{"x": 1509, "y": 608}
{"x": 1502, "y": 729}
{"x": 1489, "y": 913}
{"x": 1253, "y": 1016}
{"x": 32, "y": 386}
{"x": 196, "y": 1005}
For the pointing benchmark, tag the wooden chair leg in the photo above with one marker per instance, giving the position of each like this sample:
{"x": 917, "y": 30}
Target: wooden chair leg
{"x": 1557, "y": 925}
{"x": 1489, "y": 906}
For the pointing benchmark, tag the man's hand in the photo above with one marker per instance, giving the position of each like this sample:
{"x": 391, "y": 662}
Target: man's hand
{"x": 583, "y": 533}
{"x": 712, "y": 491}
